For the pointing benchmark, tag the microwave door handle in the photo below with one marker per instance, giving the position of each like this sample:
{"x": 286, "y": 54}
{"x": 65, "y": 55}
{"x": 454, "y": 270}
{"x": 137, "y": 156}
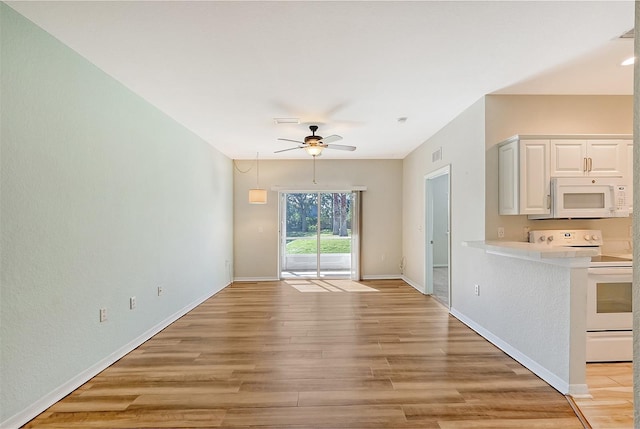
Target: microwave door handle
{"x": 613, "y": 198}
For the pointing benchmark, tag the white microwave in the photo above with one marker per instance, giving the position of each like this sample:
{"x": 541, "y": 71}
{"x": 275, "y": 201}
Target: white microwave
{"x": 587, "y": 197}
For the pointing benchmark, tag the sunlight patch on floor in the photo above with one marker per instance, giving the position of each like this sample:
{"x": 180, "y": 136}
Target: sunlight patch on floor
{"x": 329, "y": 286}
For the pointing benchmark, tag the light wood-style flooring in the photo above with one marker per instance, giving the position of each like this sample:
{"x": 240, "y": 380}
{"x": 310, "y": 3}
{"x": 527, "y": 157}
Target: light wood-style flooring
{"x": 611, "y": 385}
{"x": 270, "y": 355}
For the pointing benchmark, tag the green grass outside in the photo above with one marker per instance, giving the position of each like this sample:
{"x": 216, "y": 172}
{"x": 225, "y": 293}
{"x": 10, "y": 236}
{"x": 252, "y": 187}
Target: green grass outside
{"x": 302, "y": 246}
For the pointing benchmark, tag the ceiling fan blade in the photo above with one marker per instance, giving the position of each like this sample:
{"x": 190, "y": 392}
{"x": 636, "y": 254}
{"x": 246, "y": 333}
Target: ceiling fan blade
{"x": 291, "y": 148}
{"x": 331, "y": 138}
{"x": 289, "y": 140}
{"x": 340, "y": 147}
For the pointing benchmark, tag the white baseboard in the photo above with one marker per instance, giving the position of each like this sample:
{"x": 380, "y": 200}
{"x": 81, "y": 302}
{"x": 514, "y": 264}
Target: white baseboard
{"x": 256, "y": 279}
{"x": 580, "y": 391}
{"x": 556, "y": 382}
{"x": 382, "y": 277}
{"x": 63, "y": 390}
{"x": 416, "y": 286}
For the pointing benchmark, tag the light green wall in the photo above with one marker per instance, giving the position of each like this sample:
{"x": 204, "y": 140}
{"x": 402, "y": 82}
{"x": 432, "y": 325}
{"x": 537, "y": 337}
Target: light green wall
{"x": 103, "y": 197}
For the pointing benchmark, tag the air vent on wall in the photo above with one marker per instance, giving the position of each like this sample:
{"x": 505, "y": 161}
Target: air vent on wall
{"x": 437, "y": 155}
{"x": 628, "y": 35}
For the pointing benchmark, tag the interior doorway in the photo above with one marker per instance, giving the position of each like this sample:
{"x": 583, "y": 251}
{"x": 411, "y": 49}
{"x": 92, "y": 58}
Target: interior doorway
{"x": 319, "y": 235}
{"x": 437, "y": 237}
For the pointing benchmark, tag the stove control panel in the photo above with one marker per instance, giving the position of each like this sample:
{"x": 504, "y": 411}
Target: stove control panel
{"x": 569, "y": 237}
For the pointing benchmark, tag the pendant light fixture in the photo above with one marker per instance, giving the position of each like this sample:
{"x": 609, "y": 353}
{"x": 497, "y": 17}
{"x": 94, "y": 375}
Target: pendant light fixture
{"x": 257, "y": 195}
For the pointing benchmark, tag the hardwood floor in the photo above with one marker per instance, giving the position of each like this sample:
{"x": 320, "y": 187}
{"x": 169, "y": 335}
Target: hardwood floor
{"x": 611, "y": 385}
{"x": 269, "y": 355}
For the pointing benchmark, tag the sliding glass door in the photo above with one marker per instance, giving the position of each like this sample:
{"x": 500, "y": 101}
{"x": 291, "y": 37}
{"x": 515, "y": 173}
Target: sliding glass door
{"x": 316, "y": 234}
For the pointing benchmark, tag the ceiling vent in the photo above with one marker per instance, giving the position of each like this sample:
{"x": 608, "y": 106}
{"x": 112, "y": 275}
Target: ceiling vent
{"x": 278, "y": 121}
{"x": 628, "y": 35}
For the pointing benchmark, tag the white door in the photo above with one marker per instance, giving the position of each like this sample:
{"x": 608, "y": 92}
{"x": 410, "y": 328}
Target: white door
{"x": 437, "y": 221}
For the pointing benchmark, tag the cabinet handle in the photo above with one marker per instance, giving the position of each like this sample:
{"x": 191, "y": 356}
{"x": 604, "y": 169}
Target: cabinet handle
{"x": 584, "y": 165}
{"x": 548, "y": 201}
{"x": 590, "y": 163}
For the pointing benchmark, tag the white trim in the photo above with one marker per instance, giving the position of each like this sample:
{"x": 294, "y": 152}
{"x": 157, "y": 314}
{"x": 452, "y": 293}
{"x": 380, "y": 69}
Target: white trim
{"x": 413, "y": 284}
{"x": 382, "y": 277}
{"x": 580, "y": 391}
{"x": 256, "y": 279}
{"x": 428, "y": 227}
{"x": 33, "y": 410}
{"x": 556, "y": 382}
{"x": 318, "y": 188}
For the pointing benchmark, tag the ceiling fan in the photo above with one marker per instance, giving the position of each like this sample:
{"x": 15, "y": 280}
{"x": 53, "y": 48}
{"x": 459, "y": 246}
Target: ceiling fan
{"x": 314, "y": 145}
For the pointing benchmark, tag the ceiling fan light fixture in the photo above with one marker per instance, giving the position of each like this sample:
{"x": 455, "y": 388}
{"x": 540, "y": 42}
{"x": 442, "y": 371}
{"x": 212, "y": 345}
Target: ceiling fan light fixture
{"x": 314, "y": 150}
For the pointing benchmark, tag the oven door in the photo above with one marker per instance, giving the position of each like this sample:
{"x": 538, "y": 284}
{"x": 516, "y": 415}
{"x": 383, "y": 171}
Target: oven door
{"x": 609, "y": 298}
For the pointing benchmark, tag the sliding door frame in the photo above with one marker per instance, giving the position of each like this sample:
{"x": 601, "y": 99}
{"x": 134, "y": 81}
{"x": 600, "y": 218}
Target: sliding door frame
{"x": 356, "y": 221}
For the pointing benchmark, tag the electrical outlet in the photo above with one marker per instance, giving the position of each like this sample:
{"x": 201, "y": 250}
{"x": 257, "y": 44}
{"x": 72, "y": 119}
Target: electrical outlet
{"x": 160, "y": 291}
{"x": 132, "y": 302}
{"x": 103, "y": 315}
{"x": 477, "y": 290}
{"x": 500, "y": 232}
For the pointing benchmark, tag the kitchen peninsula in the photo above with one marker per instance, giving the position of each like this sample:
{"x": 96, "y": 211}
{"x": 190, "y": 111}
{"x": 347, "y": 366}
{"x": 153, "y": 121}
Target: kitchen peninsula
{"x": 540, "y": 309}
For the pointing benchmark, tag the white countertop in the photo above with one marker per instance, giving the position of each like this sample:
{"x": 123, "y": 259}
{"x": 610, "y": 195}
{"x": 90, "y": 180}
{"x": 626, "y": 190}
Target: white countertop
{"x": 557, "y": 255}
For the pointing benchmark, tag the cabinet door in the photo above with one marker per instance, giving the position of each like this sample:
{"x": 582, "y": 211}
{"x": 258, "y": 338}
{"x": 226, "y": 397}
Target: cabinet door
{"x": 629, "y": 173}
{"x": 568, "y": 158}
{"x": 534, "y": 177}
{"x": 604, "y": 158}
{"x": 508, "y": 172}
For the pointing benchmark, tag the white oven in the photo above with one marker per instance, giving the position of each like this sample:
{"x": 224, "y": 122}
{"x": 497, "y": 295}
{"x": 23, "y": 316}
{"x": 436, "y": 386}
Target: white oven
{"x": 609, "y": 312}
{"x": 609, "y": 295}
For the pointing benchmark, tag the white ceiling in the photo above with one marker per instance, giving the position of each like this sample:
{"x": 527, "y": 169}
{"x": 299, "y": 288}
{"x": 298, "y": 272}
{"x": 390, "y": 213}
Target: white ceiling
{"x": 225, "y": 70}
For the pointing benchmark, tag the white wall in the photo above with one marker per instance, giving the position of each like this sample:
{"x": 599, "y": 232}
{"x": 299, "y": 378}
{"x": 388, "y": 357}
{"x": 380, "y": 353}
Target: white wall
{"x": 462, "y": 143}
{"x": 103, "y": 198}
{"x": 508, "y": 115}
{"x": 514, "y": 295}
{"x": 256, "y": 226}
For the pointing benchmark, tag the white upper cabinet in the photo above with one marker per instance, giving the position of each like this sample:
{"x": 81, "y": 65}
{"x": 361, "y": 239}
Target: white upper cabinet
{"x": 527, "y": 164}
{"x": 535, "y": 181}
{"x": 576, "y": 158}
{"x": 568, "y": 158}
{"x": 524, "y": 179}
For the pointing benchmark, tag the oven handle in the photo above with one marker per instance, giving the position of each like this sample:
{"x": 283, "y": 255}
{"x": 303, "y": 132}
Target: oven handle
{"x": 611, "y": 271}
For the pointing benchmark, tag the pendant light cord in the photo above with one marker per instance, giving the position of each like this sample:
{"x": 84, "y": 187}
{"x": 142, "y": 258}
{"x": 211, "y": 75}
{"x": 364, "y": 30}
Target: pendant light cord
{"x": 257, "y": 171}
{"x": 238, "y": 169}
{"x": 314, "y": 170}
